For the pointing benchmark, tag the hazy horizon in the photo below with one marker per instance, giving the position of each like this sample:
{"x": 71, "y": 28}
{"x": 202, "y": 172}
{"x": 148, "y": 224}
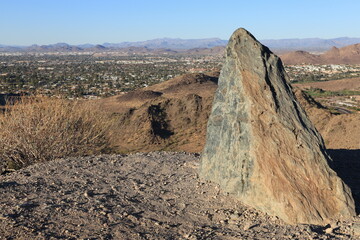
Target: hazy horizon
{"x": 41, "y": 22}
{"x": 90, "y": 43}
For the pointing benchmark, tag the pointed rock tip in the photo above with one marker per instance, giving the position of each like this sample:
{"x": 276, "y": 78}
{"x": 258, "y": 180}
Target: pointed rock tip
{"x": 241, "y": 33}
{"x": 246, "y": 39}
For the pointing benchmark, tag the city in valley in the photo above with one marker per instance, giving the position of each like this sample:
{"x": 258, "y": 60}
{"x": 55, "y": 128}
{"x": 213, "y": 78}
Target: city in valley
{"x": 93, "y": 75}
{"x": 99, "y": 74}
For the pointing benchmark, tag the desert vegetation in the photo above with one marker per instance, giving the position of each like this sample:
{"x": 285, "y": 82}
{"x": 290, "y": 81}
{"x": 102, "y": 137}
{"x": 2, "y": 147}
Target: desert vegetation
{"x": 318, "y": 92}
{"x": 38, "y": 129}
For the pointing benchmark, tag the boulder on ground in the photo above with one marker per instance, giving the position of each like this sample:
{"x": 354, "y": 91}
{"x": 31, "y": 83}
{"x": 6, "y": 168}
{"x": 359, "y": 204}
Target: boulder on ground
{"x": 262, "y": 147}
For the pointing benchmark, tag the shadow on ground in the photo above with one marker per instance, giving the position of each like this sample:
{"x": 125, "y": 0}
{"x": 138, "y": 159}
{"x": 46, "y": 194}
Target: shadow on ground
{"x": 347, "y": 166}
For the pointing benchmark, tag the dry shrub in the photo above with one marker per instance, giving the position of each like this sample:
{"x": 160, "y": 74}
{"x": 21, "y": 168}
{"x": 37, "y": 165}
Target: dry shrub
{"x": 37, "y": 129}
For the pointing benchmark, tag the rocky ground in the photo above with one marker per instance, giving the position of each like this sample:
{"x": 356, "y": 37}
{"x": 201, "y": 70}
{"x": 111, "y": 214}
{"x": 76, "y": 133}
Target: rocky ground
{"x": 140, "y": 196}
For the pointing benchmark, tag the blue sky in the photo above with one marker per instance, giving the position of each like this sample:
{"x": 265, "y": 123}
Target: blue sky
{"x": 25, "y": 22}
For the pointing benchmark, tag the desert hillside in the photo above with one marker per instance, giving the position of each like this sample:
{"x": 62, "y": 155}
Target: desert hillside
{"x": 345, "y": 55}
{"x": 168, "y": 116}
{"x": 299, "y": 57}
{"x": 172, "y": 116}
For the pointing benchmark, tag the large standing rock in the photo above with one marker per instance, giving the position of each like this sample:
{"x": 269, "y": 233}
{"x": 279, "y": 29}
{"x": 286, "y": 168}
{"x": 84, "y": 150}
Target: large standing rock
{"x": 262, "y": 147}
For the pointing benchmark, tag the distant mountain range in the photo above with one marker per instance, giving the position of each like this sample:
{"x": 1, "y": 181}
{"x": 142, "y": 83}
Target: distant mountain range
{"x": 309, "y": 44}
{"x": 180, "y": 45}
{"x": 167, "y": 44}
{"x": 172, "y": 43}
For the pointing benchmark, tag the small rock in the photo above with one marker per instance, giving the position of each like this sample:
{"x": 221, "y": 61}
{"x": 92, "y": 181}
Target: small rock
{"x": 329, "y": 230}
{"x": 88, "y": 194}
{"x": 234, "y": 216}
{"x": 186, "y": 236}
{"x": 132, "y": 218}
{"x": 224, "y": 221}
{"x": 355, "y": 228}
{"x": 111, "y": 217}
{"x": 182, "y": 206}
{"x": 246, "y": 226}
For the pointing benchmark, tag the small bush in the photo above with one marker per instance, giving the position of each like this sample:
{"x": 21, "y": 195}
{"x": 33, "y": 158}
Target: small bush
{"x": 37, "y": 129}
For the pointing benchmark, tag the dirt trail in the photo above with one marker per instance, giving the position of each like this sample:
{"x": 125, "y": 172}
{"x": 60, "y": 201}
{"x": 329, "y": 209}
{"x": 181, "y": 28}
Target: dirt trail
{"x": 141, "y": 196}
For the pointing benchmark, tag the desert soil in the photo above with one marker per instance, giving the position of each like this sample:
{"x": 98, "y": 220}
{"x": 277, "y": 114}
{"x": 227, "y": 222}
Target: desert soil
{"x": 141, "y": 196}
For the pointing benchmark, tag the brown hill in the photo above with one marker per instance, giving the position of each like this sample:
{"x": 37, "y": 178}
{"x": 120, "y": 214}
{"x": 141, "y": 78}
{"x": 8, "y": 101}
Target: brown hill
{"x": 345, "y": 55}
{"x": 173, "y": 116}
{"x": 168, "y": 116}
{"x": 298, "y": 57}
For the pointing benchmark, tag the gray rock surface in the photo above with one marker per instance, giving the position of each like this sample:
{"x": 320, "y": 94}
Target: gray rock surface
{"x": 262, "y": 147}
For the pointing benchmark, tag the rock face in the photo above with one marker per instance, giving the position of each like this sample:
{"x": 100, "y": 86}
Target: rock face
{"x": 262, "y": 147}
